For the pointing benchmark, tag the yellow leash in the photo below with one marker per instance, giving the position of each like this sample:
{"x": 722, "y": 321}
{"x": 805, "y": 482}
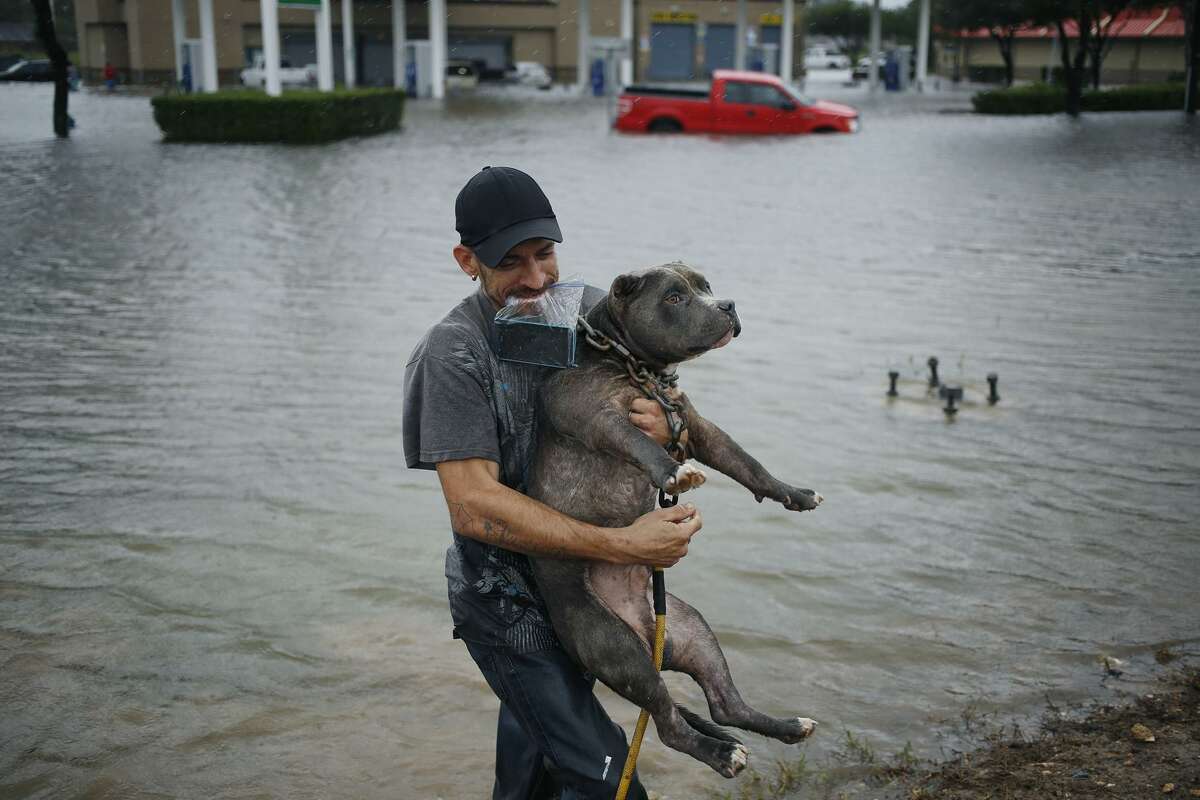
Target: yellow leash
{"x": 660, "y": 635}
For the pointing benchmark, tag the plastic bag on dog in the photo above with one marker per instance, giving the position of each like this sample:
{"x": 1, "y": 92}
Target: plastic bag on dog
{"x": 541, "y": 330}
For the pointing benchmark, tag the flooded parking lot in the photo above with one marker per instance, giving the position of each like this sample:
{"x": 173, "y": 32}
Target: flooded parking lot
{"x": 219, "y": 580}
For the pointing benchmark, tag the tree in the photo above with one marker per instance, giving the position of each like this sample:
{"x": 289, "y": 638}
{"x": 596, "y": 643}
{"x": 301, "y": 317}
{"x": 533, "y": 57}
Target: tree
{"x": 1101, "y": 42}
{"x": 1086, "y": 14}
{"x": 1001, "y": 18}
{"x": 44, "y": 20}
{"x": 1192, "y": 16}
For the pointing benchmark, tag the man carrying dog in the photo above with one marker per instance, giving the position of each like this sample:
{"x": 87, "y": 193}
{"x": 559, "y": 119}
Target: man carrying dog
{"x": 473, "y": 417}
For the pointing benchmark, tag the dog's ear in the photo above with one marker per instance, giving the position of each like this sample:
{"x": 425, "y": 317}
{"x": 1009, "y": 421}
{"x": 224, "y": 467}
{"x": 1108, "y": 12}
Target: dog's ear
{"x": 626, "y": 285}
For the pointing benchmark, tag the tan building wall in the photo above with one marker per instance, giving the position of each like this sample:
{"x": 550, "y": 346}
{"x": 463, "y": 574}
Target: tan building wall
{"x": 1129, "y": 61}
{"x": 136, "y": 35}
{"x": 706, "y": 12}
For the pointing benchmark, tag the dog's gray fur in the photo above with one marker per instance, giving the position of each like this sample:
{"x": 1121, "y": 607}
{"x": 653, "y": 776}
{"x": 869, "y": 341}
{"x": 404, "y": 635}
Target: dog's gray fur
{"x": 594, "y": 465}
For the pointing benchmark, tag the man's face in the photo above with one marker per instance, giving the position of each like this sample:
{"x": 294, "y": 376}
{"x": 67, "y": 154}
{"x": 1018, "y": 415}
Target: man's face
{"x": 524, "y": 272}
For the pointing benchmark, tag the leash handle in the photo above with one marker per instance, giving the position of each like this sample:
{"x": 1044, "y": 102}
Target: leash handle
{"x": 659, "y": 579}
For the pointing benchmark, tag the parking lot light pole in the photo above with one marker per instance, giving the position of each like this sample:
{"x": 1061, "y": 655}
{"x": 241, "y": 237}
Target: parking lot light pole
{"x": 739, "y": 48}
{"x": 627, "y": 37}
{"x": 399, "y": 46}
{"x": 324, "y": 48}
{"x": 208, "y": 41}
{"x": 348, "y": 58}
{"x": 178, "y": 33}
{"x": 923, "y": 47}
{"x": 437, "y": 47}
{"x": 873, "y": 70}
{"x": 270, "y": 43}
{"x": 584, "y": 21}
{"x": 787, "y": 41}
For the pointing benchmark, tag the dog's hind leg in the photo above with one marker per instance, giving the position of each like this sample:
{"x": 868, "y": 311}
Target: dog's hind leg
{"x": 609, "y": 649}
{"x": 694, "y": 651}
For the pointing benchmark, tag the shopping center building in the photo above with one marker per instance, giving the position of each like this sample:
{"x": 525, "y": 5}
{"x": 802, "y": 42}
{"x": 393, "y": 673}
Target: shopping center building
{"x": 671, "y": 40}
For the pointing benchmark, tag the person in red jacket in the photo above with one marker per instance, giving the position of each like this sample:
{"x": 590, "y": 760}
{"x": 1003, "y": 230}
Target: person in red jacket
{"x": 110, "y": 76}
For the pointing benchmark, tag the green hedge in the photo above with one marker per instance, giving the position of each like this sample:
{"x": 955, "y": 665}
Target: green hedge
{"x": 1041, "y": 98}
{"x": 296, "y": 117}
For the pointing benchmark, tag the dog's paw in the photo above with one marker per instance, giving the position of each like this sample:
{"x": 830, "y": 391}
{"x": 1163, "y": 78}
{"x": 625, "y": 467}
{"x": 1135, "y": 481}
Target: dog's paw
{"x": 805, "y": 728}
{"x": 734, "y": 760}
{"x": 801, "y": 499}
{"x": 686, "y": 477}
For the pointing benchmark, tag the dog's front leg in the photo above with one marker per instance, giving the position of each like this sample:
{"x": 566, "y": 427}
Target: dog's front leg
{"x": 714, "y": 447}
{"x": 606, "y": 427}
{"x": 611, "y": 431}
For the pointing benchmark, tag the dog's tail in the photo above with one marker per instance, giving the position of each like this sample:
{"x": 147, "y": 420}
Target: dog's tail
{"x": 707, "y": 727}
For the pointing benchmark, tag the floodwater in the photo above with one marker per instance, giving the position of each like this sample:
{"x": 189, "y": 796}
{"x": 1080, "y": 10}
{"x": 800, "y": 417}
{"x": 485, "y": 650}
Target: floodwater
{"x": 217, "y": 578}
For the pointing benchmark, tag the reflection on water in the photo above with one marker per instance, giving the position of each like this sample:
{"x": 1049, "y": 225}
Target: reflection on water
{"x": 218, "y": 579}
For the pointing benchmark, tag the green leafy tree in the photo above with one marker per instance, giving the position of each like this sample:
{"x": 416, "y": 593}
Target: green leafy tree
{"x": 1094, "y": 34}
{"x": 1001, "y": 18}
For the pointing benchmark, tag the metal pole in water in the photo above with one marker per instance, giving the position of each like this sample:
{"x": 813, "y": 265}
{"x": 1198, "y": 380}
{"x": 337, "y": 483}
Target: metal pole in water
{"x": 953, "y": 395}
{"x": 993, "y": 395}
{"x": 892, "y": 377}
{"x": 933, "y": 376}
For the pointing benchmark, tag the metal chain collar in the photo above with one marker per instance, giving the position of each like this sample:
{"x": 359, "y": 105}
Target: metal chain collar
{"x": 657, "y": 386}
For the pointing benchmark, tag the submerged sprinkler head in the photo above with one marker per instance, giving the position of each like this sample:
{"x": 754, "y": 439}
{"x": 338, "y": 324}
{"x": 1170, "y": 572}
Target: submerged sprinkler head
{"x": 892, "y": 377}
{"x": 933, "y": 376}
{"x": 993, "y": 395}
{"x": 954, "y": 394}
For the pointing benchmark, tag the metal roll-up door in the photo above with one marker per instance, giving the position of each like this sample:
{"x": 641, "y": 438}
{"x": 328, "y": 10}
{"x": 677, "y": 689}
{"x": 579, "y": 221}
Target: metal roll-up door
{"x": 720, "y": 46}
{"x": 494, "y": 55}
{"x": 672, "y": 52}
{"x": 298, "y": 48}
{"x": 376, "y": 62}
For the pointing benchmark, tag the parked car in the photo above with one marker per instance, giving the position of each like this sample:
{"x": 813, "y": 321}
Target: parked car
{"x": 737, "y": 102}
{"x": 36, "y": 70}
{"x": 255, "y": 75}
{"x": 823, "y": 58}
{"x": 461, "y": 74}
{"x": 529, "y": 73}
{"x": 8, "y": 60}
{"x": 862, "y": 70}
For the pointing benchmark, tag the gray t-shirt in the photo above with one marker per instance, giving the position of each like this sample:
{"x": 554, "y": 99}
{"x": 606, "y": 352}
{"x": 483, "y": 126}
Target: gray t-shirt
{"x": 462, "y": 401}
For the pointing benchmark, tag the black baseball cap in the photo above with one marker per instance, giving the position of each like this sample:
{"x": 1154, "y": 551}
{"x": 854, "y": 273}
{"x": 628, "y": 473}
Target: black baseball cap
{"x": 499, "y": 208}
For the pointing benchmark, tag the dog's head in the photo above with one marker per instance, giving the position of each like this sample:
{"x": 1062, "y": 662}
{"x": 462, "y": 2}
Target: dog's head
{"x": 668, "y": 314}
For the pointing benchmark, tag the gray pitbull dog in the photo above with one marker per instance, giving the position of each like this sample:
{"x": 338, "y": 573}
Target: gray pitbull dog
{"x": 594, "y": 465}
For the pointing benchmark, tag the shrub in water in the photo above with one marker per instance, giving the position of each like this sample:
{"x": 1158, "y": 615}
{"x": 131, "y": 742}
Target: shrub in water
{"x": 296, "y": 117}
{"x": 1041, "y": 98}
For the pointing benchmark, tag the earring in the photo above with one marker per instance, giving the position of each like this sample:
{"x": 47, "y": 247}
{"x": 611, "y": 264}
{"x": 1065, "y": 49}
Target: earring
{"x": 473, "y": 277}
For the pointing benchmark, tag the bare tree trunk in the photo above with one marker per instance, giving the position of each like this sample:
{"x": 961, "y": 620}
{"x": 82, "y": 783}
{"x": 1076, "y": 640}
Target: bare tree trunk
{"x": 1192, "y": 12}
{"x": 58, "y": 62}
{"x": 1004, "y": 41}
{"x": 1009, "y": 61}
{"x": 1073, "y": 68}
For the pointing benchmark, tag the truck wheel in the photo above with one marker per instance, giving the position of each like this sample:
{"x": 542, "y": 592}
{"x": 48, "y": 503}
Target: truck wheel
{"x": 664, "y": 125}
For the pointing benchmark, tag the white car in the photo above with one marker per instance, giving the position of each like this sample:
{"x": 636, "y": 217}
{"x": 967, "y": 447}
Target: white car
{"x": 255, "y": 75}
{"x": 821, "y": 58}
{"x": 461, "y": 74}
{"x": 529, "y": 73}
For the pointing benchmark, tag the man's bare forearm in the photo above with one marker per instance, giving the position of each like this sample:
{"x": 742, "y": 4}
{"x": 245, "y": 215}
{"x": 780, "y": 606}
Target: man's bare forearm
{"x": 498, "y": 515}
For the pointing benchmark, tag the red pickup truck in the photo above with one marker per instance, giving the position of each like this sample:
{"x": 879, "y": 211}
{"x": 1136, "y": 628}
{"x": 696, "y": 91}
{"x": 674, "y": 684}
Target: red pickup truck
{"x": 737, "y": 102}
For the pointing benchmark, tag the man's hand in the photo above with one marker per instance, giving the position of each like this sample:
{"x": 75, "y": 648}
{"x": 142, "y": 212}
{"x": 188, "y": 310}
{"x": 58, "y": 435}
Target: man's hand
{"x": 661, "y": 537}
{"x": 648, "y": 416}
